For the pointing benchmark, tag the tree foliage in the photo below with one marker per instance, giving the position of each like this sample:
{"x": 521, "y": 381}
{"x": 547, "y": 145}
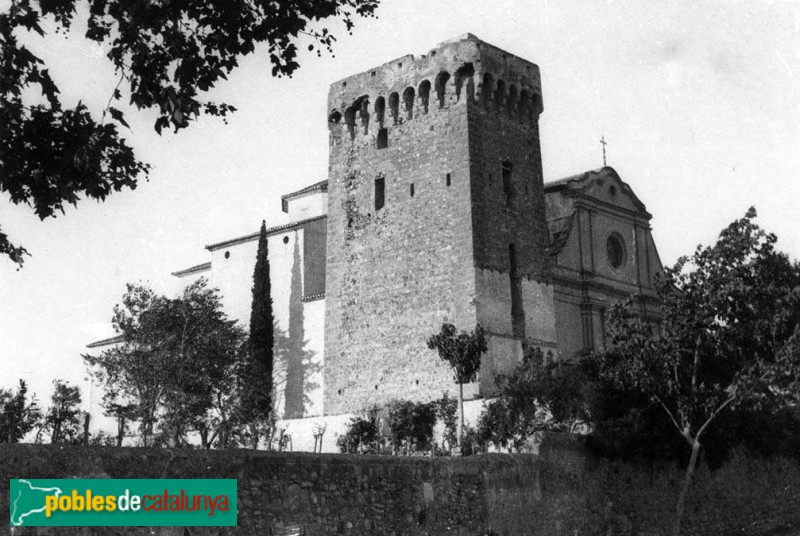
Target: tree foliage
{"x": 447, "y": 414}
{"x": 730, "y": 339}
{"x": 62, "y": 418}
{"x": 256, "y": 379}
{"x": 18, "y": 414}
{"x": 462, "y": 351}
{"x": 176, "y": 366}
{"x": 411, "y": 425}
{"x": 361, "y": 434}
{"x": 538, "y": 395}
{"x": 405, "y": 427}
{"x": 167, "y": 56}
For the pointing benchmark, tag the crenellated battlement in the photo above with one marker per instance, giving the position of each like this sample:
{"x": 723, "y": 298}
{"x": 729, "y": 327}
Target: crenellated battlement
{"x": 461, "y": 72}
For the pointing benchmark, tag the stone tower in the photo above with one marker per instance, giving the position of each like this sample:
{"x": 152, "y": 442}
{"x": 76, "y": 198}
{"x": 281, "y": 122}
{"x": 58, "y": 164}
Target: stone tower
{"x": 436, "y": 214}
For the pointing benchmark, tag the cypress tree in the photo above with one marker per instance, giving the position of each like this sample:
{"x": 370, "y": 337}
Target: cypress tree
{"x": 257, "y": 399}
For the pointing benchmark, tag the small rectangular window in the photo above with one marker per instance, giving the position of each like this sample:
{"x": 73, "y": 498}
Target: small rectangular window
{"x": 380, "y": 192}
{"x": 411, "y": 190}
{"x": 447, "y": 179}
{"x": 507, "y": 171}
{"x": 383, "y": 138}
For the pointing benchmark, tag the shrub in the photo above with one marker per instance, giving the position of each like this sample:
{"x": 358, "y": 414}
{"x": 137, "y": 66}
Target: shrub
{"x": 361, "y": 436}
{"x": 447, "y": 414}
{"x": 411, "y": 425}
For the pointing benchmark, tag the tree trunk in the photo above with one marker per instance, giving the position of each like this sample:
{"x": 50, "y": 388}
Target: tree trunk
{"x": 460, "y": 437}
{"x": 146, "y": 430}
{"x": 676, "y": 528}
{"x": 254, "y": 436}
{"x": 86, "y": 420}
{"x": 120, "y": 429}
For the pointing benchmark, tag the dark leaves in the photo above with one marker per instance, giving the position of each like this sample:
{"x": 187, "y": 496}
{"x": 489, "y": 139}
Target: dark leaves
{"x": 729, "y": 337}
{"x": 176, "y": 359}
{"x": 169, "y": 53}
{"x": 117, "y": 115}
{"x": 462, "y": 351}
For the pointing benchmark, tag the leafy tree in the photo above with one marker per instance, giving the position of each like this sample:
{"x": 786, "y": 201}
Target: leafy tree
{"x": 447, "y": 413}
{"x": 257, "y": 372}
{"x": 538, "y": 395}
{"x": 361, "y": 435}
{"x": 63, "y": 416}
{"x": 167, "y": 55}
{"x": 18, "y": 415}
{"x": 730, "y": 339}
{"x": 175, "y": 366}
{"x": 122, "y": 412}
{"x": 462, "y": 351}
{"x": 411, "y": 425}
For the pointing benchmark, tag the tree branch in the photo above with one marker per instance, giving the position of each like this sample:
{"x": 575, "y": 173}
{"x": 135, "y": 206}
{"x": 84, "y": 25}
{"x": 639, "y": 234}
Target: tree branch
{"x": 111, "y": 98}
{"x": 671, "y": 416}
{"x": 715, "y": 413}
{"x": 696, "y": 363}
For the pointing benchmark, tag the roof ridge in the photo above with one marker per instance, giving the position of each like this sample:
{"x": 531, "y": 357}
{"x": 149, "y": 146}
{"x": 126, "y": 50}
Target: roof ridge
{"x": 270, "y": 230}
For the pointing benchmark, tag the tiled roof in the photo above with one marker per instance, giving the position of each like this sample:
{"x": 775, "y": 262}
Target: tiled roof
{"x": 106, "y": 342}
{"x": 194, "y": 269}
{"x": 580, "y": 177}
{"x": 321, "y": 185}
{"x": 271, "y": 230}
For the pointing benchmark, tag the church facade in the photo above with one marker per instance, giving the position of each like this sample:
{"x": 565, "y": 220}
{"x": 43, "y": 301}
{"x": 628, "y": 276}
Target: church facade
{"x": 435, "y": 210}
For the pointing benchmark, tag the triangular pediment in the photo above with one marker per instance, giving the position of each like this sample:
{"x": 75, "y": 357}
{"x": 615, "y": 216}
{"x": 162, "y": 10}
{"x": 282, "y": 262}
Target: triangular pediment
{"x": 603, "y": 186}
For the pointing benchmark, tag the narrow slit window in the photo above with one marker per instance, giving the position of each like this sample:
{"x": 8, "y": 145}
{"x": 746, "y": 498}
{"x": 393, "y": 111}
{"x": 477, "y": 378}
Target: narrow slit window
{"x": 441, "y": 86}
{"x": 447, "y": 179}
{"x": 383, "y": 138}
{"x": 411, "y": 190}
{"x": 380, "y": 192}
{"x": 507, "y": 171}
{"x": 394, "y": 106}
{"x": 380, "y": 110}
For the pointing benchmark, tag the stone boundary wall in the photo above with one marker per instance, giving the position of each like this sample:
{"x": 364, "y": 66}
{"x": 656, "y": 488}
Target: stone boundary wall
{"x": 562, "y": 491}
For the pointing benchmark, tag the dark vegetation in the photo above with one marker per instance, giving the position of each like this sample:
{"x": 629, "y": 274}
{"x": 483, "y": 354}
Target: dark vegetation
{"x": 167, "y": 56}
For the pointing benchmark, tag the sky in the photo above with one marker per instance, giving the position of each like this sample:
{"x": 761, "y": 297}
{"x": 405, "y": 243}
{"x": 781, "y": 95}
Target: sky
{"x": 699, "y": 104}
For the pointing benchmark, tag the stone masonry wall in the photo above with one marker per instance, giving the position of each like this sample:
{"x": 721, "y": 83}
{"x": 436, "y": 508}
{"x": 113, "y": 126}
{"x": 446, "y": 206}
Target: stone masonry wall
{"x": 509, "y": 210}
{"x": 434, "y": 131}
{"x": 561, "y": 492}
{"x": 396, "y": 273}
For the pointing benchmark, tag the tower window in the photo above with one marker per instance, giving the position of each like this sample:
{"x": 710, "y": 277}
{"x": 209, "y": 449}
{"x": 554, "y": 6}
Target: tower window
{"x": 380, "y": 110}
{"x": 441, "y": 86}
{"x": 486, "y": 90}
{"x": 447, "y": 179}
{"x": 408, "y": 101}
{"x": 350, "y": 121}
{"x": 411, "y": 190}
{"x": 424, "y": 94}
{"x": 380, "y": 192}
{"x": 507, "y": 171}
{"x": 394, "y": 105}
{"x": 383, "y": 138}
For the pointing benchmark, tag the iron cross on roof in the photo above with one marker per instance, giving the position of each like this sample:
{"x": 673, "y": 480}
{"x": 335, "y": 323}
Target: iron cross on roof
{"x": 603, "y": 143}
